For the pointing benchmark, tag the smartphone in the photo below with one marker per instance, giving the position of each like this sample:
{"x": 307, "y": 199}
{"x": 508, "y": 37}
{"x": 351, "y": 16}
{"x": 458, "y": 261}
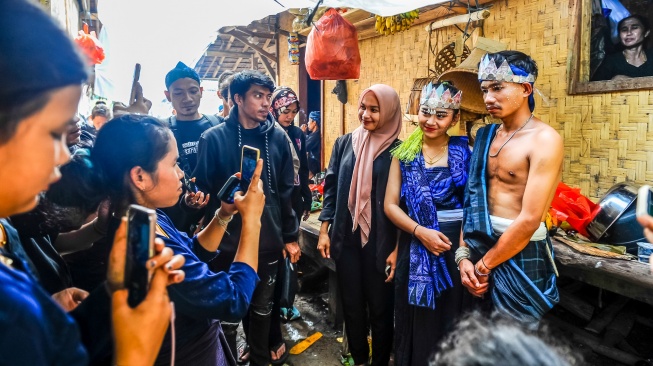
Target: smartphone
{"x": 229, "y": 189}
{"x": 189, "y": 184}
{"x": 644, "y": 204}
{"x": 387, "y": 271}
{"x": 137, "y": 76}
{"x": 140, "y": 248}
{"x": 249, "y": 157}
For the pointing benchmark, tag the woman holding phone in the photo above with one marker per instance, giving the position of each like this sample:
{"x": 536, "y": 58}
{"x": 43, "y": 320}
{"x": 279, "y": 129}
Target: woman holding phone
{"x": 142, "y": 169}
{"x": 354, "y": 227}
{"x": 36, "y": 104}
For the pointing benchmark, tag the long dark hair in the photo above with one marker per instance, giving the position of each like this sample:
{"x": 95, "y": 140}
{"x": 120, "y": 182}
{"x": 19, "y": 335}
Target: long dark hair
{"x": 122, "y": 144}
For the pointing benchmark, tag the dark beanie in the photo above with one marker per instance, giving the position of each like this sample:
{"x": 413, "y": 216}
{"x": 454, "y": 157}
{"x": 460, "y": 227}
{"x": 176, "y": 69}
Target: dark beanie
{"x": 179, "y": 72}
{"x": 36, "y": 55}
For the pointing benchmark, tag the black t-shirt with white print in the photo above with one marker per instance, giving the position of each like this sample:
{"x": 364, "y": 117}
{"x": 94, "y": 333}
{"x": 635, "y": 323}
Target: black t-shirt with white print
{"x": 188, "y": 134}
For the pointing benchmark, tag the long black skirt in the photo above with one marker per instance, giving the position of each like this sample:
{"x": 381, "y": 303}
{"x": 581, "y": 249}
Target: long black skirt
{"x": 419, "y": 330}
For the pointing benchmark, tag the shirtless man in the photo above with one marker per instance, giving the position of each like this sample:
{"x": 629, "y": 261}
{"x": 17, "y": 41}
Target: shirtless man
{"x": 514, "y": 172}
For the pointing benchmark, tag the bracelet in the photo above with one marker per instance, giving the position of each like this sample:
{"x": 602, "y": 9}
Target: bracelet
{"x": 485, "y": 265}
{"x": 416, "y": 226}
{"x": 479, "y": 273}
{"x": 98, "y": 231}
{"x": 222, "y": 222}
{"x": 461, "y": 253}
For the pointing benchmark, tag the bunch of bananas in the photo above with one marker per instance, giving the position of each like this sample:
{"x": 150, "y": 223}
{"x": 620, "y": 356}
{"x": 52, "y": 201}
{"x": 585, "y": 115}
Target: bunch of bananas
{"x": 395, "y": 23}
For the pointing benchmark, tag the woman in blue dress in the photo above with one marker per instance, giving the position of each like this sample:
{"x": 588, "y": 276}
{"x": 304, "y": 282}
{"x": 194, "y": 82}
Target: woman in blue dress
{"x": 424, "y": 200}
{"x": 136, "y": 157}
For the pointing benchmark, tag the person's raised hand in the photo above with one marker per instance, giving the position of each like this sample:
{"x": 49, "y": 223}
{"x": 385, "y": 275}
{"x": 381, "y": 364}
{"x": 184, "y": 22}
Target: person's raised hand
{"x": 70, "y": 298}
{"x": 140, "y": 105}
{"x": 138, "y": 332}
{"x": 250, "y": 205}
{"x": 433, "y": 240}
{"x": 163, "y": 257}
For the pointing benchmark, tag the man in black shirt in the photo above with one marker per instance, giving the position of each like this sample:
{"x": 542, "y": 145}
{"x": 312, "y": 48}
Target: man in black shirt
{"x": 185, "y": 93}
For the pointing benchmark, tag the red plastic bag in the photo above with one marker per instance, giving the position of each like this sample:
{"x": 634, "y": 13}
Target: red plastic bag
{"x": 571, "y": 206}
{"x": 90, "y": 46}
{"x": 332, "y": 49}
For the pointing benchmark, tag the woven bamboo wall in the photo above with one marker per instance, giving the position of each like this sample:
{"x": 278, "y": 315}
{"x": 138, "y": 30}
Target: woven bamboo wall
{"x": 608, "y": 137}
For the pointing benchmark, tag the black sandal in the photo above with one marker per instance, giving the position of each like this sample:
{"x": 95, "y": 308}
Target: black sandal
{"x": 243, "y": 353}
{"x": 274, "y": 352}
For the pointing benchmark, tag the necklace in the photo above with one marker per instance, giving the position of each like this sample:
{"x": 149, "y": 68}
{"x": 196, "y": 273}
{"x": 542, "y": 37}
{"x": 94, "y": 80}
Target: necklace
{"x": 509, "y": 138}
{"x": 432, "y": 160}
{"x": 644, "y": 59}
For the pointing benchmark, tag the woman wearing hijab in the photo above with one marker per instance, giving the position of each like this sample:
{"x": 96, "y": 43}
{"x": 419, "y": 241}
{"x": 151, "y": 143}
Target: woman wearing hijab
{"x": 428, "y": 176}
{"x": 354, "y": 226}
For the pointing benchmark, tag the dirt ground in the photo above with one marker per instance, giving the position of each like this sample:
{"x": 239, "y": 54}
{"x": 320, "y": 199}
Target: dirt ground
{"x": 324, "y": 352}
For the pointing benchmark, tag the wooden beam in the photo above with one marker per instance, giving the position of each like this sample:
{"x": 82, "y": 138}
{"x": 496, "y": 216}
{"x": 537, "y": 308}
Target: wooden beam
{"x": 256, "y": 34}
{"x": 228, "y": 54}
{"x": 254, "y": 63}
{"x": 268, "y": 67}
{"x": 210, "y": 67}
{"x": 256, "y": 48}
{"x": 215, "y": 73}
{"x": 628, "y": 278}
{"x": 240, "y": 59}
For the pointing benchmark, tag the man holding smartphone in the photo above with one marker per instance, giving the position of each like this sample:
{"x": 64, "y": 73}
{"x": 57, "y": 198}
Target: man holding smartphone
{"x": 219, "y": 156}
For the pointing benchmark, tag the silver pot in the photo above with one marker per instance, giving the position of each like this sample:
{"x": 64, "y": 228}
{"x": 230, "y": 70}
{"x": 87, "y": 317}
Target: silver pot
{"x": 614, "y": 221}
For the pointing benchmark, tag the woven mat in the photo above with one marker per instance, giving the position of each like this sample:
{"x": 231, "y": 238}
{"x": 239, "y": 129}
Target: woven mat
{"x": 578, "y": 245}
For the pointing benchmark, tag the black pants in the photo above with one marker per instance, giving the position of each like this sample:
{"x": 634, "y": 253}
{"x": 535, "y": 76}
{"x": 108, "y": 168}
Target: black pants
{"x": 363, "y": 288}
{"x": 257, "y": 321}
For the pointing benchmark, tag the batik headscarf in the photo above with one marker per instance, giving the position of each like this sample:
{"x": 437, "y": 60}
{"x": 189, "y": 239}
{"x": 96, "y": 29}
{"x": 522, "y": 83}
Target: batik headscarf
{"x": 368, "y": 145}
{"x": 282, "y": 98}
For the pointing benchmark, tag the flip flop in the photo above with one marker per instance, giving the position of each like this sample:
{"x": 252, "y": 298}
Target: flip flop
{"x": 243, "y": 353}
{"x": 275, "y": 352}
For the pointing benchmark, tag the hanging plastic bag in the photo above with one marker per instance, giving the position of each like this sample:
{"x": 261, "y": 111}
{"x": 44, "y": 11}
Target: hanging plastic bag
{"x": 571, "y": 206}
{"x": 90, "y": 46}
{"x": 332, "y": 49}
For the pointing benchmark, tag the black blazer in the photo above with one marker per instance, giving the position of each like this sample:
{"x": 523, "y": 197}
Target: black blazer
{"x": 336, "y": 196}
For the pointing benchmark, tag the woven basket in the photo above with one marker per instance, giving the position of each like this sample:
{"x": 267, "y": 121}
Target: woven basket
{"x": 465, "y": 76}
{"x": 446, "y": 59}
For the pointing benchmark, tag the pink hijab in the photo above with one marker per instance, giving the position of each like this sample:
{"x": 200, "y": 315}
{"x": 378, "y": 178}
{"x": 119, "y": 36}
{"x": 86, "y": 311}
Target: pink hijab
{"x": 368, "y": 145}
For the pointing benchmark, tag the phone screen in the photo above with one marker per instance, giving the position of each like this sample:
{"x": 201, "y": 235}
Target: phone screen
{"x": 247, "y": 166}
{"x": 228, "y": 191}
{"x": 140, "y": 240}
